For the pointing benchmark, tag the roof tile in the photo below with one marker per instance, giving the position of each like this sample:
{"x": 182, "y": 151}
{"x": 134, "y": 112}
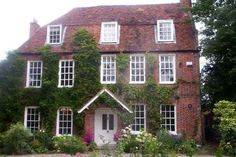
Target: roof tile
{"x": 137, "y": 28}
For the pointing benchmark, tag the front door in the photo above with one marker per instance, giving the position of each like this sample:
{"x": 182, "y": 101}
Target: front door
{"x": 105, "y": 126}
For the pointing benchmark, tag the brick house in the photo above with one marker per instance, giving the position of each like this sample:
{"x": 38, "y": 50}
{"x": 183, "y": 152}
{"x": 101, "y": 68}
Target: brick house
{"x": 159, "y": 28}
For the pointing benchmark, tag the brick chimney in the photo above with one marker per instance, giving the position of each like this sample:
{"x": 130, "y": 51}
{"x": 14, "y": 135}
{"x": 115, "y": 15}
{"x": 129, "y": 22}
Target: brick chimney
{"x": 34, "y": 26}
{"x": 186, "y": 3}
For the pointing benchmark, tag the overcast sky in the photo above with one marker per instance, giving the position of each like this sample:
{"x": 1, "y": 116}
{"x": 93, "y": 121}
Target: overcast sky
{"x": 15, "y": 16}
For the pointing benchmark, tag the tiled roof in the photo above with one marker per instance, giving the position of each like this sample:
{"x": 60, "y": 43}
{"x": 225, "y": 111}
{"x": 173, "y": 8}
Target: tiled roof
{"x": 137, "y": 28}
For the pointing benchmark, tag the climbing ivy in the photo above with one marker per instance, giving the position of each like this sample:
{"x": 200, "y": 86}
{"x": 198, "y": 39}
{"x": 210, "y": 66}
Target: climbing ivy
{"x": 86, "y": 58}
{"x": 122, "y": 61}
{"x": 151, "y": 94}
{"x": 86, "y": 82}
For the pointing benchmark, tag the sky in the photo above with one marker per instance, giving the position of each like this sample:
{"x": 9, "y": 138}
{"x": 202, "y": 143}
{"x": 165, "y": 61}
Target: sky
{"x": 16, "y": 16}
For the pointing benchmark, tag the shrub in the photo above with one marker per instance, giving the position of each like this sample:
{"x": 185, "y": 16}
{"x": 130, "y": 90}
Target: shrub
{"x": 1, "y": 143}
{"x": 148, "y": 144}
{"x": 189, "y": 148}
{"x": 145, "y": 144}
{"x": 130, "y": 144}
{"x": 225, "y": 113}
{"x": 176, "y": 144}
{"x": 17, "y": 140}
{"x": 127, "y": 142}
{"x": 168, "y": 142}
{"x": 42, "y": 142}
{"x": 68, "y": 144}
{"x": 92, "y": 146}
{"x": 45, "y": 140}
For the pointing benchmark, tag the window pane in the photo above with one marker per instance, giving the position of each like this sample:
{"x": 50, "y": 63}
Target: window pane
{"x": 104, "y": 122}
{"x": 165, "y": 30}
{"x": 32, "y": 118}
{"x": 65, "y": 121}
{"x": 139, "y": 119}
{"x": 34, "y": 73}
{"x": 167, "y": 68}
{"x": 168, "y": 117}
{"x": 137, "y": 69}
{"x": 67, "y": 73}
{"x": 111, "y": 122}
{"x": 54, "y": 34}
{"x": 108, "y": 69}
{"x": 109, "y": 33}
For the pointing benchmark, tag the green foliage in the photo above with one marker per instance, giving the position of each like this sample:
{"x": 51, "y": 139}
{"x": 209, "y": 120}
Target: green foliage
{"x": 169, "y": 144}
{"x": 42, "y": 142}
{"x": 122, "y": 61}
{"x": 92, "y": 146}
{"x": 151, "y": 60}
{"x": 145, "y": 144}
{"x": 150, "y": 94}
{"x": 225, "y": 113}
{"x": 68, "y": 144}
{"x": 17, "y": 140}
{"x": 11, "y": 74}
{"x": 189, "y": 148}
{"x": 87, "y": 61}
{"x": 49, "y": 98}
{"x": 48, "y": 93}
{"x": 218, "y": 43}
{"x": 1, "y": 143}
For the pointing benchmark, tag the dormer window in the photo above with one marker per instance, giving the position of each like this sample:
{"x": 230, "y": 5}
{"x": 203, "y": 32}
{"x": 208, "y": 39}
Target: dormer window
{"x": 109, "y": 32}
{"x": 165, "y": 30}
{"x": 54, "y": 34}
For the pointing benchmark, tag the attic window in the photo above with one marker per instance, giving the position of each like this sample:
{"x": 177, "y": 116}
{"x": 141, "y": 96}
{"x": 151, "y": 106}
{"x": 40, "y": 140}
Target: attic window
{"x": 109, "y": 32}
{"x": 165, "y": 30}
{"x": 54, "y": 34}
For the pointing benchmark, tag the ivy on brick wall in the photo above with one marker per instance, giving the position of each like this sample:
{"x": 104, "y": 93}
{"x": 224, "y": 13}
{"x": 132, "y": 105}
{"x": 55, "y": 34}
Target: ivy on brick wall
{"x": 86, "y": 57}
{"x": 86, "y": 81}
{"x": 49, "y": 97}
{"x": 150, "y": 94}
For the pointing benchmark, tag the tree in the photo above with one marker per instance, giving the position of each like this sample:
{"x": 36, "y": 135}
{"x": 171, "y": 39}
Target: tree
{"x": 11, "y": 74}
{"x": 219, "y": 48}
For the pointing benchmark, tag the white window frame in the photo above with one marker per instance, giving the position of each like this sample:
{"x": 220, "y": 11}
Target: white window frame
{"x": 26, "y": 114}
{"x": 101, "y": 71}
{"x": 58, "y": 116}
{"x": 175, "y": 117}
{"x": 172, "y": 30}
{"x": 134, "y": 131}
{"x": 28, "y": 74}
{"x": 174, "y": 69}
{"x": 59, "y": 74}
{"x": 116, "y": 32}
{"x": 144, "y": 69}
{"x": 48, "y": 34}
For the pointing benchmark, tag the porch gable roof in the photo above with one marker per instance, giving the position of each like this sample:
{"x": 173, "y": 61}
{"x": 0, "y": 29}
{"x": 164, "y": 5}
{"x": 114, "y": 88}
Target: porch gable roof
{"x": 100, "y": 93}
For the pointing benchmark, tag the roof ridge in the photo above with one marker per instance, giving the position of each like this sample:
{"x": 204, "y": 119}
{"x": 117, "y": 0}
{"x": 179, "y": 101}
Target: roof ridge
{"x": 125, "y": 5}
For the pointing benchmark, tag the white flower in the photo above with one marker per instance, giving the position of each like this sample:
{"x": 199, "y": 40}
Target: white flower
{"x": 123, "y": 131}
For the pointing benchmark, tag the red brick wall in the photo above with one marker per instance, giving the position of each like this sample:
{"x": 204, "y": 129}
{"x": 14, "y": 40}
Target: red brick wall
{"x": 188, "y": 92}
